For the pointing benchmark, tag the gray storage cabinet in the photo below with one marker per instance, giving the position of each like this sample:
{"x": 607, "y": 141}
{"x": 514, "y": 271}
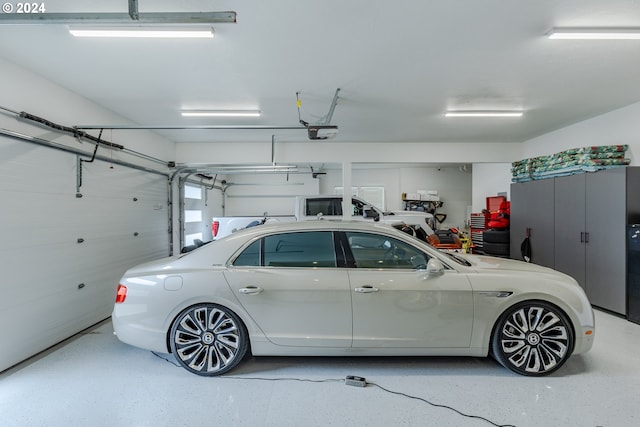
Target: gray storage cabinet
{"x": 570, "y": 225}
{"x": 532, "y": 208}
{"x": 586, "y": 234}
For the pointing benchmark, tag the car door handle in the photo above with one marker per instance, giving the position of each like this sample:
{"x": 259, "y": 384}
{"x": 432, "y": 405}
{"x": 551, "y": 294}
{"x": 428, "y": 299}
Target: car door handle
{"x": 250, "y": 290}
{"x": 366, "y": 289}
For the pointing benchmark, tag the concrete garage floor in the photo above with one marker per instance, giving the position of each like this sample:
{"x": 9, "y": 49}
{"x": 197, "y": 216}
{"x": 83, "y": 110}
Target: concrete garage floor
{"x": 94, "y": 380}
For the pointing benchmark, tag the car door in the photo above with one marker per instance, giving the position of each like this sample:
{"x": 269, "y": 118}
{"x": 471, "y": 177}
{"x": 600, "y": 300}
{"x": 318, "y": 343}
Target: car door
{"x": 290, "y": 285}
{"x": 396, "y": 303}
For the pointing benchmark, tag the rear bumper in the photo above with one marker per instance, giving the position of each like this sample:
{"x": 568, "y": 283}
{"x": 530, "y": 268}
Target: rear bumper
{"x": 139, "y": 336}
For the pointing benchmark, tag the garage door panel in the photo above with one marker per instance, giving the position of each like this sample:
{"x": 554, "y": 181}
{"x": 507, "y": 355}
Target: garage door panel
{"x": 43, "y": 263}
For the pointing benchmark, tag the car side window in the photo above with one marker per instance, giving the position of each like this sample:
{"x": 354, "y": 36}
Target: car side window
{"x": 250, "y": 257}
{"x": 379, "y": 251}
{"x": 302, "y": 249}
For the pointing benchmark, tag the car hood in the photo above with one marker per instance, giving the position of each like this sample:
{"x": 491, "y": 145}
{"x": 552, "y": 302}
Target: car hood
{"x": 479, "y": 262}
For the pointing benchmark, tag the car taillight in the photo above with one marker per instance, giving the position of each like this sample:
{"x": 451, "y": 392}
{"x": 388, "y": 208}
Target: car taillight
{"x": 121, "y": 294}
{"x": 215, "y": 225}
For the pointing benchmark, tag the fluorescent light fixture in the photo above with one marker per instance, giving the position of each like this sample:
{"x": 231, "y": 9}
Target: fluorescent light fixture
{"x": 475, "y": 113}
{"x": 144, "y": 32}
{"x": 594, "y": 34}
{"x": 220, "y": 113}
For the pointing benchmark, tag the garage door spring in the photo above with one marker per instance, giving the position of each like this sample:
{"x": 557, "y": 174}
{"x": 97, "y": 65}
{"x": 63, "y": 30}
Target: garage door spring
{"x": 77, "y": 133}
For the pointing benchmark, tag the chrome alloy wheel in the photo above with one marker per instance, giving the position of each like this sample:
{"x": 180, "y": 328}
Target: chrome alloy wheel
{"x": 533, "y": 339}
{"x": 208, "y": 339}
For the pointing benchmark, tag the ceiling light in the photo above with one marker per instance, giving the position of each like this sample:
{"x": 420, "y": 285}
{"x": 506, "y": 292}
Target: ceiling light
{"x": 475, "y": 113}
{"x": 221, "y": 113}
{"x": 594, "y": 34}
{"x": 143, "y": 32}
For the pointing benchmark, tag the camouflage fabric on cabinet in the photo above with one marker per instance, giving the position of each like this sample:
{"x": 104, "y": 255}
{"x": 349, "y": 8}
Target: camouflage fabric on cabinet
{"x": 569, "y": 162}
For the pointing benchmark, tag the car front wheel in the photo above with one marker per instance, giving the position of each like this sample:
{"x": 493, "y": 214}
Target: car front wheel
{"x": 208, "y": 339}
{"x": 533, "y": 338}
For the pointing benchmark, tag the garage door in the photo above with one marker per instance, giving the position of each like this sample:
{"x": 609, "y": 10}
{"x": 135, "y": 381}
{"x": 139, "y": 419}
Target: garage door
{"x": 62, "y": 255}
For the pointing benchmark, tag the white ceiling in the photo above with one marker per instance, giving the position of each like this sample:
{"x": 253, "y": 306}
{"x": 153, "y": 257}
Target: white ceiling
{"x": 399, "y": 66}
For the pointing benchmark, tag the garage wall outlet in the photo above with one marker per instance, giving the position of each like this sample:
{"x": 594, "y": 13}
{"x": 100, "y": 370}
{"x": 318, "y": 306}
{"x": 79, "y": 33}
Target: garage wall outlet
{"x": 355, "y": 381}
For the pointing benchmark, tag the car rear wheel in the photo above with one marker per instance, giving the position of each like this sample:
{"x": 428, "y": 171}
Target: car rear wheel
{"x": 208, "y": 339}
{"x": 533, "y": 338}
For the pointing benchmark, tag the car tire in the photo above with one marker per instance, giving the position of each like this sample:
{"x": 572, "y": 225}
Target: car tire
{"x": 532, "y": 338}
{"x": 496, "y": 236}
{"x": 498, "y": 249}
{"x": 208, "y": 339}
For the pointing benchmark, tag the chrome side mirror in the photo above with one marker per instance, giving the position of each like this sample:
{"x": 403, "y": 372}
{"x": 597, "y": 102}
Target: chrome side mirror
{"x": 435, "y": 267}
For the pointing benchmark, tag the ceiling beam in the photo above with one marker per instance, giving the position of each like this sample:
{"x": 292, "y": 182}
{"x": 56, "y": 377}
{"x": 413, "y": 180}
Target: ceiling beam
{"x": 185, "y": 127}
{"x": 111, "y": 18}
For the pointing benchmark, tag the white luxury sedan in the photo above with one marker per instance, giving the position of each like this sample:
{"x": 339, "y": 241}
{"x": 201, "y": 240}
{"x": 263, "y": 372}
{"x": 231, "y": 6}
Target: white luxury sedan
{"x": 329, "y": 288}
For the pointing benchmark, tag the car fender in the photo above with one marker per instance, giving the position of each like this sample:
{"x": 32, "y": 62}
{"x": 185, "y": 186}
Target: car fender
{"x": 495, "y": 306}
{"x": 222, "y": 296}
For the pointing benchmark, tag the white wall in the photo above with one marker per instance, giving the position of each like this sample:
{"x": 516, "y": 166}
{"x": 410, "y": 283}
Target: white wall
{"x": 255, "y": 194}
{"x": 620, "y": 126}
{"x": 23, "y": 90}
{"x": 492, "y": 179}
{"x": 53, "y": 286}
{"x": 387, "y": 176}
{"x": 452, "y": 183}
{"x": 489, "y": 179}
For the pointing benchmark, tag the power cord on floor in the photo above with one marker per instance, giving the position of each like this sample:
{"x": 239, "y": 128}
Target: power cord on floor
{"x": 165, "y": 359}
{"x": 305, "y": 380}
{"x": 437, "y": 405}
{"x": 355, "y": 381}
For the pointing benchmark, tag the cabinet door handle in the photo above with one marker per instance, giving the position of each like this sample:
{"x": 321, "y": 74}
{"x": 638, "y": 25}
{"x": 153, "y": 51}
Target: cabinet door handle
{"x": 586, "y": 237}
{"x": 582, "y": 237}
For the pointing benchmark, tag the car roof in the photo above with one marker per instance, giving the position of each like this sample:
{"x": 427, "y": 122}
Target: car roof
{"x": 316, "y": 224}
